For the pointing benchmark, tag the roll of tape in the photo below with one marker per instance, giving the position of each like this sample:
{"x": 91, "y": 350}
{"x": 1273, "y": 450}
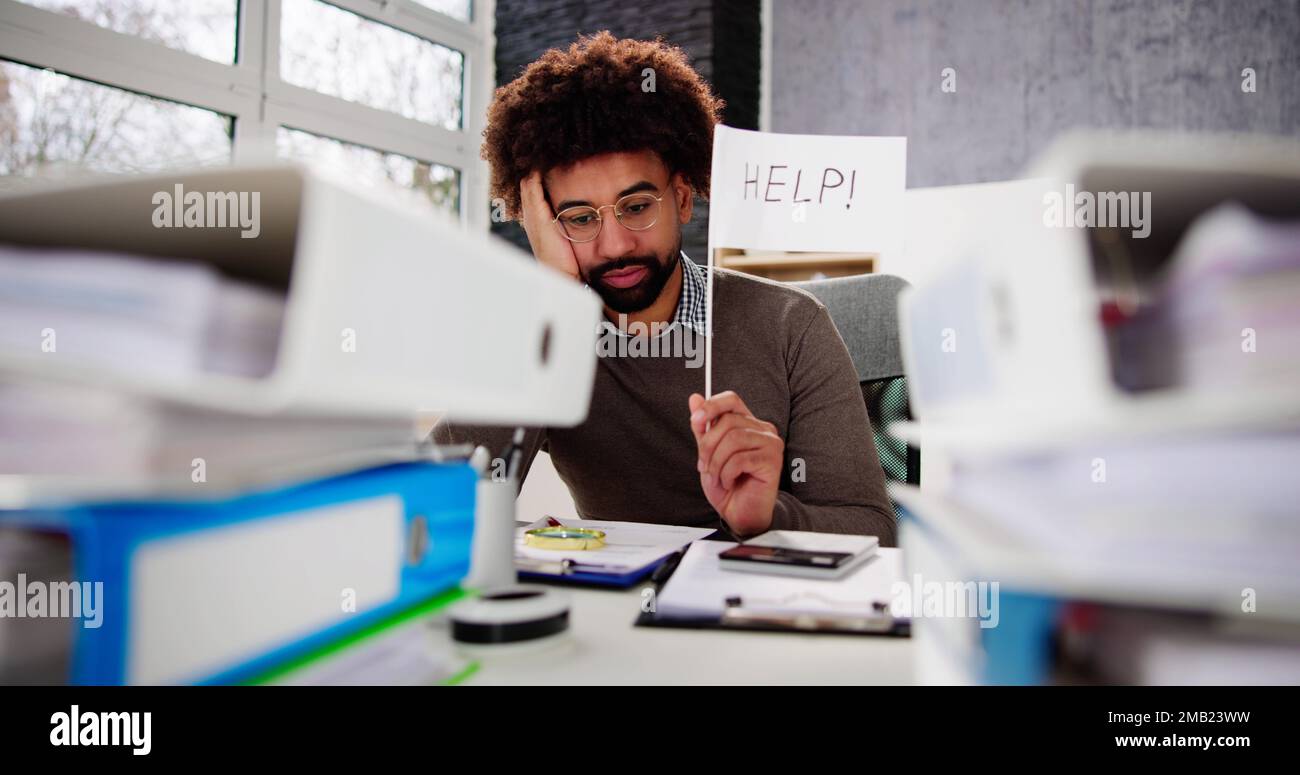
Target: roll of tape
{"x": 510, "y": 615}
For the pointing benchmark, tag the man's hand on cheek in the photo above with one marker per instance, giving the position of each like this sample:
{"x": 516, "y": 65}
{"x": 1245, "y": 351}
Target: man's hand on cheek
{"x": 549, "y": 246}
{"x": 740, "y": 460}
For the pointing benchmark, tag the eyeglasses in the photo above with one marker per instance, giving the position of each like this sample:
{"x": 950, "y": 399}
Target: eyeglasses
{"x": 636, "y": 212}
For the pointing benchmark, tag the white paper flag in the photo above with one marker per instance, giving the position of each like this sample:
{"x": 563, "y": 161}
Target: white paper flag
{"x": 807, "y": 192}
{"x": 813, "y": 193}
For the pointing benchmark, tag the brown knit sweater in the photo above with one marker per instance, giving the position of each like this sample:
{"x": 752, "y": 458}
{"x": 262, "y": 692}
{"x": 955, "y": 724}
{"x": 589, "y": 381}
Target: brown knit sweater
{"x": 634, "y": 458}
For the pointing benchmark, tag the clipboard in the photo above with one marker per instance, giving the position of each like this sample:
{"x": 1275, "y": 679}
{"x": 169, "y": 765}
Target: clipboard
{"x": 593, "y": 578}
{"x": 587, "y": 573}
{"x": 736, "y": 616}
{"x": 893, "y": 627}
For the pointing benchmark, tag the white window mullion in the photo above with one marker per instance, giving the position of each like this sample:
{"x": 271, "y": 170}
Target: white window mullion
{"x": 417, "y": 20}
{"x": 418, "y": 10}
{"x": 352, "y": 122}
{"x": 252, "y": 92}
{"x": 84, "y": 50}
{"x": 479, "y": 85}
{"x": 259, "y": 37}
{"x": 323, "y": 114}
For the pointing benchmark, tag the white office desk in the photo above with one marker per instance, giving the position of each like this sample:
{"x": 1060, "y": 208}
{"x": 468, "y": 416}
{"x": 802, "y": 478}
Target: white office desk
{"x": 603, "y": 647}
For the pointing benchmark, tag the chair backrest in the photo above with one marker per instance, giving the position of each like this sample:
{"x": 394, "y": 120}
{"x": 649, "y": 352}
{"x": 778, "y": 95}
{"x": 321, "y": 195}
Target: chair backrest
{"x": 864, "y": 309}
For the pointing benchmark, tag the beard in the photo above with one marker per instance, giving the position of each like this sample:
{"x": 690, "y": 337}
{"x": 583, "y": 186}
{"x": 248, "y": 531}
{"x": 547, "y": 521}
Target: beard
{"x": 644, "y": 293}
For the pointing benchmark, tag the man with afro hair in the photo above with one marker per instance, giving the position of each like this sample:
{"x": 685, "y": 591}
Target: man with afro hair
{"x": 598, "y": 151}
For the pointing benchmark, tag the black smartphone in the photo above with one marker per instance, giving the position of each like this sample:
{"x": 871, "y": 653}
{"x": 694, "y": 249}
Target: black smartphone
{"x": 776, "y": 555}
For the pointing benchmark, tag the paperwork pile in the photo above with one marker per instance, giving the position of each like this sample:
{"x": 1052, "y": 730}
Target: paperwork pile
{"x": 152, "y": 320}
{"x": 217, "y": 429}
{"x": 167, "y": 319}
{"x": 70, "y": 449}
{"x": 1124, "y": 452}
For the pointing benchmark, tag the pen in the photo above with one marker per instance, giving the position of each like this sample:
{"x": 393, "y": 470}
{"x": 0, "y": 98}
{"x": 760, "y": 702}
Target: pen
{"x": 514, "y": 452}
{"x": 564, "y": 567}
{"x": 666, "y": 568}
{"x": 479, "y": 461}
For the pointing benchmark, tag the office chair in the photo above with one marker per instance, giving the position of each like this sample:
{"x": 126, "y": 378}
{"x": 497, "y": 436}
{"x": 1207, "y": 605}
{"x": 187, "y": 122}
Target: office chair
{"x": 864, "y": 309}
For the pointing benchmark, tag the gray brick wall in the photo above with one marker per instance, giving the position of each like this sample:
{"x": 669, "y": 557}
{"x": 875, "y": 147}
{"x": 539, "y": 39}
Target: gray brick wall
{"x": 1028, "y": 70}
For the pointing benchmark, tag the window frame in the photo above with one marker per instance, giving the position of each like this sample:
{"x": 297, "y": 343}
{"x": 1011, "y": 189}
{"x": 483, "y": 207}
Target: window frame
{"x": 253, "y": 94}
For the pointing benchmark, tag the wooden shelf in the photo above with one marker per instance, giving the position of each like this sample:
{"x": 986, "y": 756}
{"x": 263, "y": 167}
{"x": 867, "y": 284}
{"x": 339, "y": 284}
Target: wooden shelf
{"x": 796, "y": 266}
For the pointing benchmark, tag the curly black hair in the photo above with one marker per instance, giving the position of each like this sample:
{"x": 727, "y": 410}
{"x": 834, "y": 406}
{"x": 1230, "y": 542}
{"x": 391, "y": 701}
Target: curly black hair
{"x": 594, "y": 98}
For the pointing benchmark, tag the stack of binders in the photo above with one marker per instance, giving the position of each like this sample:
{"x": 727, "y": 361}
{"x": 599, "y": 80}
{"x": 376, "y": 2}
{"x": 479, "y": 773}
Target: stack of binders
{"x": 209, "y": 459}
{"x": 1110, "y": 420}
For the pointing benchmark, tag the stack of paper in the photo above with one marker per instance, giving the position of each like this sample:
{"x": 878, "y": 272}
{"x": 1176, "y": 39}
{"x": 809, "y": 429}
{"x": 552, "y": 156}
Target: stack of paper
{"x": 92, "y": 314}
{"x": 1199, "y": 500}
{"x": 1165, "y": 502}
{"x": 1223, "y": 313}
{"x": 1176, "y": 492}
{"x": 1143, "y": 648}
{"x": 167, "y": 319}
{"x": 407, "y": 655}
{"x": 69, "y": 441}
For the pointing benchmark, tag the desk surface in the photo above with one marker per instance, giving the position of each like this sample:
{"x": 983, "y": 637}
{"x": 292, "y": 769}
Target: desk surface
{"x": 603, "y": 647}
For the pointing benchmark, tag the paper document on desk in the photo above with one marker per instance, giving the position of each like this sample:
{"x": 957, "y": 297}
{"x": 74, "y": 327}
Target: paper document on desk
{"x": 407, "y": 656}
{"x": 700, "y": 588}
{"x": 628, "y": 545}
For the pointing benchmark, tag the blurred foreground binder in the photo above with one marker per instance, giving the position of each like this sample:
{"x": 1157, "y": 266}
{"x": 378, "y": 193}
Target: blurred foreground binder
{"x": 1036, "y": 331}
{"x": 220, "y": 591}
{"x": 370, "y": 309}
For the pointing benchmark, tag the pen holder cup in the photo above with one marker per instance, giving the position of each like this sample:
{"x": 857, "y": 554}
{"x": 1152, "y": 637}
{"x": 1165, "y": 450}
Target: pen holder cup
{"x": 492, "y": 562}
